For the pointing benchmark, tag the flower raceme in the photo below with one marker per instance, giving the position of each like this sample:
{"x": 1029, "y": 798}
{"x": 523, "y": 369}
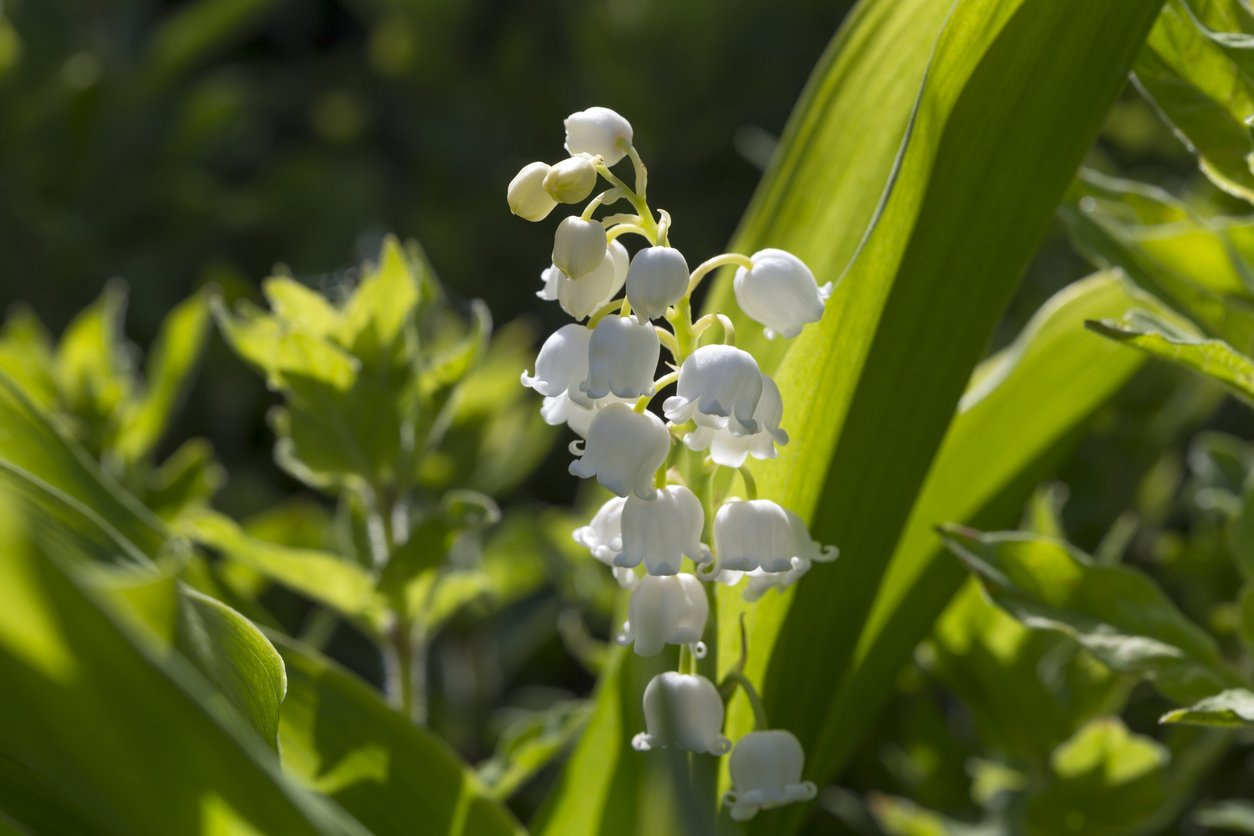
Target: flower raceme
{"x": 598, "y": 378}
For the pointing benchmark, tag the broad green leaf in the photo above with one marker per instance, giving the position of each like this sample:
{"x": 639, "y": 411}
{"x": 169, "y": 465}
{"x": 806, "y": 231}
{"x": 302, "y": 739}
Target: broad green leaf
{"x": 528, "y": 745}
{"x": 1105, "y": 781}
{"x": 236, "y": 657}
{"x": 340, "y": 739}
{"x": 1203, "y": 93}
{"x": 98, "y": 734}
{"x": 43, "y": 463}
{"x": 1173, "y": 341}
{"x": 377, "y": 313}
{"x": 26, "y": 354}
{"x": 320, "y": 575}
{"x": 1234, "y": 707}
{"x": 187, "y": 479}
{"x": 1200, "y": 266}
{"x": 876, "y": 382}
{"x": 307, "y": 309}
{"x": 171, "y": 363}
{"x": 286, "y": 355}
{"x": 1116, "y": 613}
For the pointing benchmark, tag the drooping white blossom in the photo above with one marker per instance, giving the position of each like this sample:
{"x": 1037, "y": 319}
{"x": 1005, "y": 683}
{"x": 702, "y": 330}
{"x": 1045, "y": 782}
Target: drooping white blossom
{"x": 780, "y": 293}
{"x": 766, "y": 771}
{"x": 657, "y": 279}
{"x": 665, "y": 610}
{"x": 719, "y": 387}
{"x": 659, "y": 532}
{"x": 806, "y": 552}
{"x": 563, "y": 410}
{"x": 683, "y": 710}
{"x": 751, "y": 534}
{"x": 623, "y": 451}
{"x": 562, "y": 365}
{"x": 598, "y": 131}
{"x": 526, "y": 195}
{"x": 622, "y": 358}
{"x": 571, "y": 180}
{"x": 603, "y": 537}
{"x": 805, "y": 546}
{"x": 731, "y": 450}
{"x": 579, "y": 246}
{"x": 580, "y": 297}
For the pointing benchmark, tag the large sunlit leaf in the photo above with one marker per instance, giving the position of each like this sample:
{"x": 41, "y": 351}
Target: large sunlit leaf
{"x": 1177, "y": 342}
{"x": 1231, "y": 708}
{"x": 339, "y": 738}
{"x": 99, "y": 734}
{"x": 870, "y": 390}
{"x": 1116, "y": 613}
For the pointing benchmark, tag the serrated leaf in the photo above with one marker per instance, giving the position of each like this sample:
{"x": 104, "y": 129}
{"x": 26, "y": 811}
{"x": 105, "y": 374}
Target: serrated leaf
{"x": 173, "y": 359}
{"x": 340, "y": 739}
{"x": 380, "y": 308}
{"x": 1227, "y": 709}
{"x": 1116, "y": 613}
{"x": 322, "y": 576}
{"x": 1172, "y": 340}
{"x": 305, "y": 308}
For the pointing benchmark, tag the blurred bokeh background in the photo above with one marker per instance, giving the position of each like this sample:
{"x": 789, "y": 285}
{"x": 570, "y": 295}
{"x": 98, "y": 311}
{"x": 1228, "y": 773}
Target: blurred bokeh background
{"x": 178, "y": 144}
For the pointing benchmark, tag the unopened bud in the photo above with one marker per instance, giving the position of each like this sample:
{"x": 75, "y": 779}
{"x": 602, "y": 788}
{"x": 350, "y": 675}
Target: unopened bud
{"x": 527, "y": 197}
{"x": 579, "y": 246}
{"x": 571, "y": 180}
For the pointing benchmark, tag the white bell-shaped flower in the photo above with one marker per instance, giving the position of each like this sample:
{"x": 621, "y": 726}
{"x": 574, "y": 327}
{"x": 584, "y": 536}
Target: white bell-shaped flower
{"x": 622, "y": 358}
{"x": 780, "y": 293}
{"x": 657, "y": 279}
{"x": 761, "y": 582}
{"x": 752, "y": 534}
{"x": 579, "y": 246}
{"x": 659, "y": 532}
{"x": 806, "y": 552}
{"x": 526, "y": 194}
{"x": 563, "y": 410}
{"x": 765, "y": 772}
{"x": 580, "y": 297}
{"x": 806, "y": 547}
{"x": 562, "y": 365}
{"x": 732, "y": 450}
{"x": 683, "y": 710}
{"x": 603, "y": 535}
{"x": 719, "y": 387}
{"x": 666, "y": 610}
{"x": 624, "y": 450}
{"x": 598, "y": 131}
{"x": 571, "y": 180}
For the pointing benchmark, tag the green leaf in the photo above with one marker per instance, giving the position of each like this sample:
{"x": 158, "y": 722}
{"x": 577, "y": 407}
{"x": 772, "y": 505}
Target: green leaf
{"x": 320, "y": 575}
{"x": 381, "y": 307}
{"x": 1018, "y": 417}
{"x": 93, "y": 369}
{"x": 26, "y": 354}
{"x": 185, "y": 480}
{"x": 236, "y": 657}
{"x": 99, "y": 734}
{"x": 529, "y": 743}
{"x": 340, "y": 739}
{"x": 198, "y": 28}
{"x": 1234, "y": 707}
{"x": 1174, "y": 341}
{"x": 288, "y": 357}
{"x": 41, "y": 463}
{"x": 171, "y": 363}
{"x": 1116, "y": 613}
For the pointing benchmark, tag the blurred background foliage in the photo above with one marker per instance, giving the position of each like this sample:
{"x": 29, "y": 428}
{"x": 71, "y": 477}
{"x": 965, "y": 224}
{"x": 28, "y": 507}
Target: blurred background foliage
{"x": 176, "y": 146}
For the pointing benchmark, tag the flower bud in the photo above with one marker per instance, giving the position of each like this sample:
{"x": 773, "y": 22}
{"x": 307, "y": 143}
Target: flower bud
{"x": 658, "y": 278}
{"x": 571, "y": 180}
{"x": 765, "y": 771}
{"x": 622, "y": 357}
{"x": 526, "y": 195}
{"x": 780, "y": 292}
{"x": 598, "y": 131}
{"x": 719, "y": 386}
{"x": 624, "y": 450}
{"x": 562, "y": 365}
{"x": 682, "y": 710}
{"x": 579, "y": 246}
{"x": 580, "y": 297}
{"x": 661, "y": 531}
{"x": 731, "y": 450}
{"x": 665, "y": 610}
{"x": 753, "y": 533}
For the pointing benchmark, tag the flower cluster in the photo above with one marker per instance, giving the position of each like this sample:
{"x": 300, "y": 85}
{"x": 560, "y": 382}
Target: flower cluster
{"x": 597, "y": 376}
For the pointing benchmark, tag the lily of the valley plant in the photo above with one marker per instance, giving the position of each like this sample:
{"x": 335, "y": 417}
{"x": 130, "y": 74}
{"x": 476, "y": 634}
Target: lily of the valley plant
{"x": 598, "y": 376}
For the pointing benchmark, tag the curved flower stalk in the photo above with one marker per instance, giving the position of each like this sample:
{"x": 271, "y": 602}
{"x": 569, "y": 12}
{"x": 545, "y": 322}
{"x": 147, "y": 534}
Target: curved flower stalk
{"x": 723, "y": 410}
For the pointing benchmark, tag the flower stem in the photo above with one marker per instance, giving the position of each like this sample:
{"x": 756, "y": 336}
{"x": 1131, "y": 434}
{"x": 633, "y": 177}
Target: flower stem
{"x": 751, "y": 487}
{"x": 714, "y": 263}
{"x": 751, "y": 694}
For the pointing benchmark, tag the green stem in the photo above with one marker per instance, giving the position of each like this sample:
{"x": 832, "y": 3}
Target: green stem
{"x": 751, "y": 487}
{"x": 751, "y": 694}
{"x": 714, "y": 263}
